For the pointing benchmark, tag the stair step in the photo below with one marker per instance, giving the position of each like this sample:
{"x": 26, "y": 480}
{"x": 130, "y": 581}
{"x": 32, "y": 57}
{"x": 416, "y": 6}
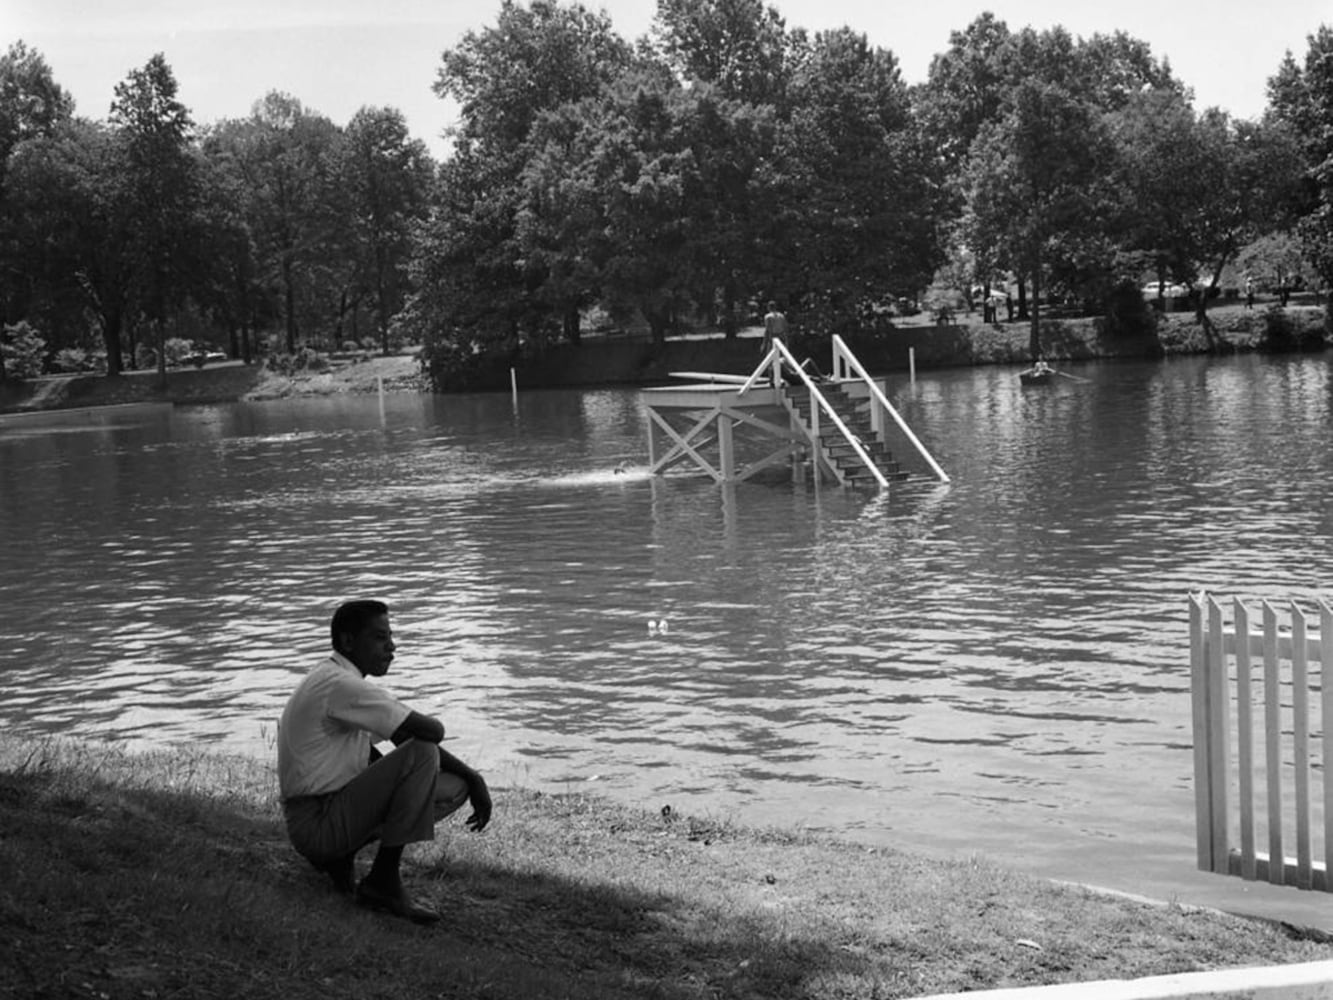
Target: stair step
{"x": 841, "y": 445}
{"x": 837, "y": 450}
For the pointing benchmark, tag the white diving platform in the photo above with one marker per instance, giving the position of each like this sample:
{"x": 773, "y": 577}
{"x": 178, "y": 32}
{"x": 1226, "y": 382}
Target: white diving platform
{"x": 732, "y": 427}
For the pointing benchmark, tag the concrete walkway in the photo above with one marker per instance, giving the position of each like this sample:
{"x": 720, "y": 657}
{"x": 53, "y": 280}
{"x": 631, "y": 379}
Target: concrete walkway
{"x": 1307, "y": 981}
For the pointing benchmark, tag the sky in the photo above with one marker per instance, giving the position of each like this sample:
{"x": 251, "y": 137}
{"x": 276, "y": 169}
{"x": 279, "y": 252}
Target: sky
{"x": 337, "y": 56}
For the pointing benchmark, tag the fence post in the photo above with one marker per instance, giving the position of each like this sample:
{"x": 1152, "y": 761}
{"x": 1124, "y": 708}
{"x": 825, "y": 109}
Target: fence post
{"x": 1218, "y": 742}
{"x": 1203, "y": 788}
{"x": 1273, "y": 745}
{"x": 1326, "y": 718}
{"x": 1244, "y": 738}
{"x": 1300, "y": 729}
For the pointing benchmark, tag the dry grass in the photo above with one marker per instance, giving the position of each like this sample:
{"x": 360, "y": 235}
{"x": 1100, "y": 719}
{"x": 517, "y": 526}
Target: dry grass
{"x": 397, "y": 373}
{"x": 169, "y": 875}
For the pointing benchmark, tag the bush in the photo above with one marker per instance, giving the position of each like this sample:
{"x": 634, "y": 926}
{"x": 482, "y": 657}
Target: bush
{"x": 177, "y": 349}
{"x": 459, "y": 365}
{"x": 1128, "y": 314}
{"x": 597, "y": 320}
{"x": 24, "y": 349}
{"x": 76, "y": 359}
{"x": 1283, "y": 335}
{"x": 307, "y": 359}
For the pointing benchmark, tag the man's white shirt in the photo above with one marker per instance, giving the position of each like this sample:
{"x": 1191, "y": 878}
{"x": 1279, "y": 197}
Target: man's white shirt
{"x": 324, "y": 736}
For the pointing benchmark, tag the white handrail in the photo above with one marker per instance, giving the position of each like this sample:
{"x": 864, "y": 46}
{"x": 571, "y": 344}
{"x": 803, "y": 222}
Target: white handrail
{"x": 781, "y": 350}
{"x": 842, "y": 355}
{"x": 768, "y": 359}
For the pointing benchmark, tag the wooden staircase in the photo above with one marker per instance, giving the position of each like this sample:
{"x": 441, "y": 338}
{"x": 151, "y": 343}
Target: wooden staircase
{"x": 836, "y": 451}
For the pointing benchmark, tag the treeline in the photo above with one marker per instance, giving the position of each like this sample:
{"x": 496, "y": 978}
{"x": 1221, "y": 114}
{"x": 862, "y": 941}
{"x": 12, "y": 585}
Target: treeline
{"x": 119, "y": 234}
{"x": 720, "y": 161}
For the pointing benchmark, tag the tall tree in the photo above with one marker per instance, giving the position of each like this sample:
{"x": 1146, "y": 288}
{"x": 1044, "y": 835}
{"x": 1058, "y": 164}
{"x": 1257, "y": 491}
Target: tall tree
{"x": 562, "y": 229}
{"x": 972, "y": 87}
{"x": 964, "y": 88}
{"x": 473, "y": 284}
{"x": 536, "y": 58}
{"x": 1036, "y": 186}
{"x": 386, "y": 177}
{"x": 1116, "y": 69}
{"x": 231, "y": 287}
{"x": 740, "y": 47}
{"x": 1163, "y": 170}
{"x": 859, "y": 189}
{"x": 286, "y": 155}
{"x": 32, "y": 106}
{"x": 73, "y": 210}
{"x": 1300, "y": 95}
{"x": 155, "y": 131}
{"x": 736, "y": 61}
{"x": 1255, "y": 185}
{"x": 731, "y": 201}
{"x": 622, "y": 171}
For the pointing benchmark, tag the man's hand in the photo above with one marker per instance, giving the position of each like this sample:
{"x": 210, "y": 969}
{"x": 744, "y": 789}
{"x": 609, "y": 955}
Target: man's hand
{"x": 480, "y": 797}
{"x": 477, "y": 792}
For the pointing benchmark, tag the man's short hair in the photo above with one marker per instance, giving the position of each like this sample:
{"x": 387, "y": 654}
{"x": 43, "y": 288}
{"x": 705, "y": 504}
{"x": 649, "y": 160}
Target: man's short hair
{"x": 352, "y": 617}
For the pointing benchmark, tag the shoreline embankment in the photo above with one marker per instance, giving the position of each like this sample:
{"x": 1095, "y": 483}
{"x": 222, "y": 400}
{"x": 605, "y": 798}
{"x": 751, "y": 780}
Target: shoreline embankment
{"x": 627, "y": 360}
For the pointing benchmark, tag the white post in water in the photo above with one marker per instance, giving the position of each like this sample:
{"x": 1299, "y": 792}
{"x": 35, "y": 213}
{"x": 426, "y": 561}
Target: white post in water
{"x": 911, "y": 363}
{"x": 513, "y": 386}
{"x": 379, "y": 385}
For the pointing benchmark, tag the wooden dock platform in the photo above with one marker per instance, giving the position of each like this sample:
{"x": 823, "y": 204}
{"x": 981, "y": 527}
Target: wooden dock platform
{"x": 732, "y": 427}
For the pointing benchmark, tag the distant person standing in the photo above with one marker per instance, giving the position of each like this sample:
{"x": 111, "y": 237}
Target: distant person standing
{"x": 1249, "y": 293}
{"x": 775, "y": 327}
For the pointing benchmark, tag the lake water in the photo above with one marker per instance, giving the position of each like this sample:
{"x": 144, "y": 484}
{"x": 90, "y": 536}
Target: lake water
{"x": 997, "y": 667}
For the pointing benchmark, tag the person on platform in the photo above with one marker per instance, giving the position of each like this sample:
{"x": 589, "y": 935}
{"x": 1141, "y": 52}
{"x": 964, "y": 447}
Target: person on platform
{"x": 775, "y": 327}
{"x": 340, "y": 793}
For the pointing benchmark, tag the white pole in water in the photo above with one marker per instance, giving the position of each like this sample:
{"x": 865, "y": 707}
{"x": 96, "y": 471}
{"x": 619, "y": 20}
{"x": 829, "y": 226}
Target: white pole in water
{"x": 911, "y": 363}
{"x": 379, "y": 384}
{"x": 513, "y": 385}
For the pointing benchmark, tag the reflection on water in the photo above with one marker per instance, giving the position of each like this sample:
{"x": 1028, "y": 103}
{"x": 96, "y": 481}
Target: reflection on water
{"x": 998, "y": 665}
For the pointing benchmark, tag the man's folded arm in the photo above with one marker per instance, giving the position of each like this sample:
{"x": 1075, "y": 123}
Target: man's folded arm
{"x": 418, "y": 727}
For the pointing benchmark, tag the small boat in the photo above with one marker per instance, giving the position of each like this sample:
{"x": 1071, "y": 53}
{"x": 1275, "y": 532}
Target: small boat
{"x": 1039, "y": 374}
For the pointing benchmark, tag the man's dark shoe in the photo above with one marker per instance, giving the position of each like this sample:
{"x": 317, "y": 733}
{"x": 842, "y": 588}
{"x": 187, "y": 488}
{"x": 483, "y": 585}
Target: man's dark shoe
{"x": 400, "y": 904}
{"x": 343, "y": 873}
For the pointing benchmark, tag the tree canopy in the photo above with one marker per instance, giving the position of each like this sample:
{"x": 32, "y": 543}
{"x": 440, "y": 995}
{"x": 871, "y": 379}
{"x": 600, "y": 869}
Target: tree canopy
{"x": 723, "y": 159}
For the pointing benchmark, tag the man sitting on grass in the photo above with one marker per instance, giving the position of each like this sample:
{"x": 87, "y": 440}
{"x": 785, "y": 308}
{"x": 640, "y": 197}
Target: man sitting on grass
{"x": 339, "y": 793}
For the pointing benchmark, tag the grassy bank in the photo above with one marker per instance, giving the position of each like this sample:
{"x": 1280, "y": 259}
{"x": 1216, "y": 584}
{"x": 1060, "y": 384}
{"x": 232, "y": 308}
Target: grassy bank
{"x": 397, "y": 373}
{"x": 220, "y": 383}
{"x": 621, "y": 360}
{"x": 169, "y": 874}
{"x": 616, "y": 360}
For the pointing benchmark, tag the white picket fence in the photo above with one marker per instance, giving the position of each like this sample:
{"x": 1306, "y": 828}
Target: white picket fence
{"x": 1262, "y": 679}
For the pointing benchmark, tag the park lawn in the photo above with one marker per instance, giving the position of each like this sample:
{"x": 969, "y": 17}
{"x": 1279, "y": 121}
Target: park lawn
{"x": 168, "y": 874}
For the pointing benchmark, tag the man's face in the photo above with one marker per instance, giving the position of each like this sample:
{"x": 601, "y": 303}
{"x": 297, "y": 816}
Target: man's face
{"x": 372, "y": 648}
